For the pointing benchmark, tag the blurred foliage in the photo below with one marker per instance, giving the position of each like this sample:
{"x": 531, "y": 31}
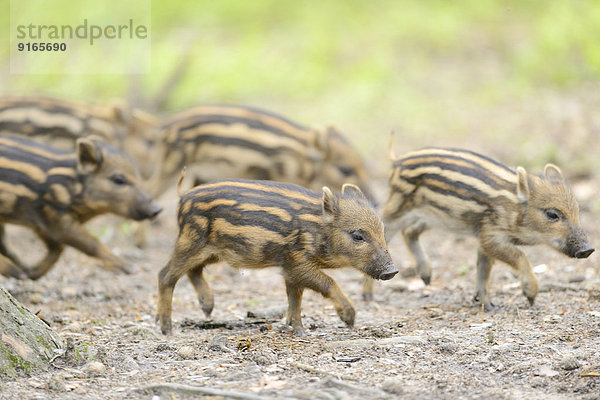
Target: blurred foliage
{"x": 438, "y": 72}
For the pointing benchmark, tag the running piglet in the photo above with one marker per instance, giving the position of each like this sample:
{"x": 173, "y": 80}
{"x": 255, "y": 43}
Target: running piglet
{"x": 257, "y": 224}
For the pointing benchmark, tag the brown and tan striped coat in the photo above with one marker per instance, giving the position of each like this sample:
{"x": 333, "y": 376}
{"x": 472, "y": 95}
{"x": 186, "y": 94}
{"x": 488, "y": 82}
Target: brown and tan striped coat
{"x": 257, "y": 224}
{"x": 228, "y": 141}
{"x": 60, "y": 123}
{"x": 460, "y": 190}
{"x": 54, "y": 192}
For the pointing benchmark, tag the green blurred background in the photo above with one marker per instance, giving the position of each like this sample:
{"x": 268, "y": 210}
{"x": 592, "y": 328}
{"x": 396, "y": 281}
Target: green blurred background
{"x": 516, "y": 79}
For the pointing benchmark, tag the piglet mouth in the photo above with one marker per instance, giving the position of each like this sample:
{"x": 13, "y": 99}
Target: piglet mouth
{"x": 388, "y": 272}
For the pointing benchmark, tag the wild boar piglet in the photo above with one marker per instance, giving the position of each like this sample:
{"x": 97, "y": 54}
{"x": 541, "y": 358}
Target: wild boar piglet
{"x": 257, "y": 224}
{"x": 463, "y": 191}
{"x": 60, "y": 123}
{"x": 217, "y": 141}
{"x": 54, "y": 192}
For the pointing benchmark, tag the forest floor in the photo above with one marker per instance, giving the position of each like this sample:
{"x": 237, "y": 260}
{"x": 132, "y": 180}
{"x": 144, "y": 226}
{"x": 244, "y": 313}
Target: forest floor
{"x": 413, "y": 341}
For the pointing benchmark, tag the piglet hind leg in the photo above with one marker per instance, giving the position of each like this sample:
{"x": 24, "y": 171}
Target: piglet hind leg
{"x": 166, "y": 286}
{"x": 182, "y": 261}
{"x": 203, "y": 290}
{"x": 482, "y": 293}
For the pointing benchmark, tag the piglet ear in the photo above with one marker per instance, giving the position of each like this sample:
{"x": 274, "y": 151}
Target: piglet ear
{"x": 330, "y": 205}
{"x": 121, "y": 111}
{"x": 522, "y": 185}
{"x": 320, "y": 140}
{"x": 353, "y": 190}
{"x": 89, "y": 156}
{"x": 391, "y": 152}
{"x": 553, "y": 174}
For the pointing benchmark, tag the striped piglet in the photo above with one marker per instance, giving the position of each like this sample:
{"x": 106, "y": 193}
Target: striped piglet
{"x": 257, "y": 224}
{"x": 467, "y": 192}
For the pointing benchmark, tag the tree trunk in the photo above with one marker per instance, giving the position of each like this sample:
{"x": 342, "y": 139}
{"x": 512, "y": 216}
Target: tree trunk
{"x": 26, "y": 342}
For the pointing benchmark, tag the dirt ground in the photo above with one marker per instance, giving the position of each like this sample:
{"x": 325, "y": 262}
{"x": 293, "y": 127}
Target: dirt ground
{"x": 412, "y": 341}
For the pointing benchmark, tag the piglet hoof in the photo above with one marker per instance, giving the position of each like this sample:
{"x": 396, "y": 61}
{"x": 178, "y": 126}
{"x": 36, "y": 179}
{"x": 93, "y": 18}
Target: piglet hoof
{"x": 126, "y": 270}
{"x": 367, "y": 297}
{"x": 122, "y": 269}
{"x": 531, "y": 301}
{"x": 347, "y": 315}
{"x": 487, "y": 305}
{"x": 207, "y": 310}
{"x": 426, "y": 279}
{"x": 117, "y": 265}
{"x": 166, "y": 328}
{"x": 300, "y": 332}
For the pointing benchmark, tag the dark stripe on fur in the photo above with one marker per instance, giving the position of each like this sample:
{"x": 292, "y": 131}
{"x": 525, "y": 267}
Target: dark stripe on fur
{"x": 400, "y": 161}
{"x": 484, "y": 175}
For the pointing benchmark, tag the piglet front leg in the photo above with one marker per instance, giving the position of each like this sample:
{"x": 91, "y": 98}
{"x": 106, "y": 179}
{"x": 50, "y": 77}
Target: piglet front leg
{"x": 78, "y": 237}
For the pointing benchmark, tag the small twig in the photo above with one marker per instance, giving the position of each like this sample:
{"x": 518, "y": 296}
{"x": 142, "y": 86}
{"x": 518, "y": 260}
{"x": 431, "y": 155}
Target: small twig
{"x": 590, "y": 374}
{"x": 176, "y": 387}
{"x": 41, "y": 317}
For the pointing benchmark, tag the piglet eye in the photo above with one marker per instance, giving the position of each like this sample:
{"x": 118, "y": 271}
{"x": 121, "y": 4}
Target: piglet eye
{"x": 346, "y": 171}
{"x": 119, "y": 179}
{"x": 357, "y": 237}
{"x": 552, "y": 215}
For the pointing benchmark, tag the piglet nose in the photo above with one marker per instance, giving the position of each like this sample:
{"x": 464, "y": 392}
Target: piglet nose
{"x": 585, "y": 252}
{"x": 389, "y": 272}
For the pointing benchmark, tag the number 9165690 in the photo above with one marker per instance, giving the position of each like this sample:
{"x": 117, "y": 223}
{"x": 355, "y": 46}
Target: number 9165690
{"x": 42, "y": 46}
